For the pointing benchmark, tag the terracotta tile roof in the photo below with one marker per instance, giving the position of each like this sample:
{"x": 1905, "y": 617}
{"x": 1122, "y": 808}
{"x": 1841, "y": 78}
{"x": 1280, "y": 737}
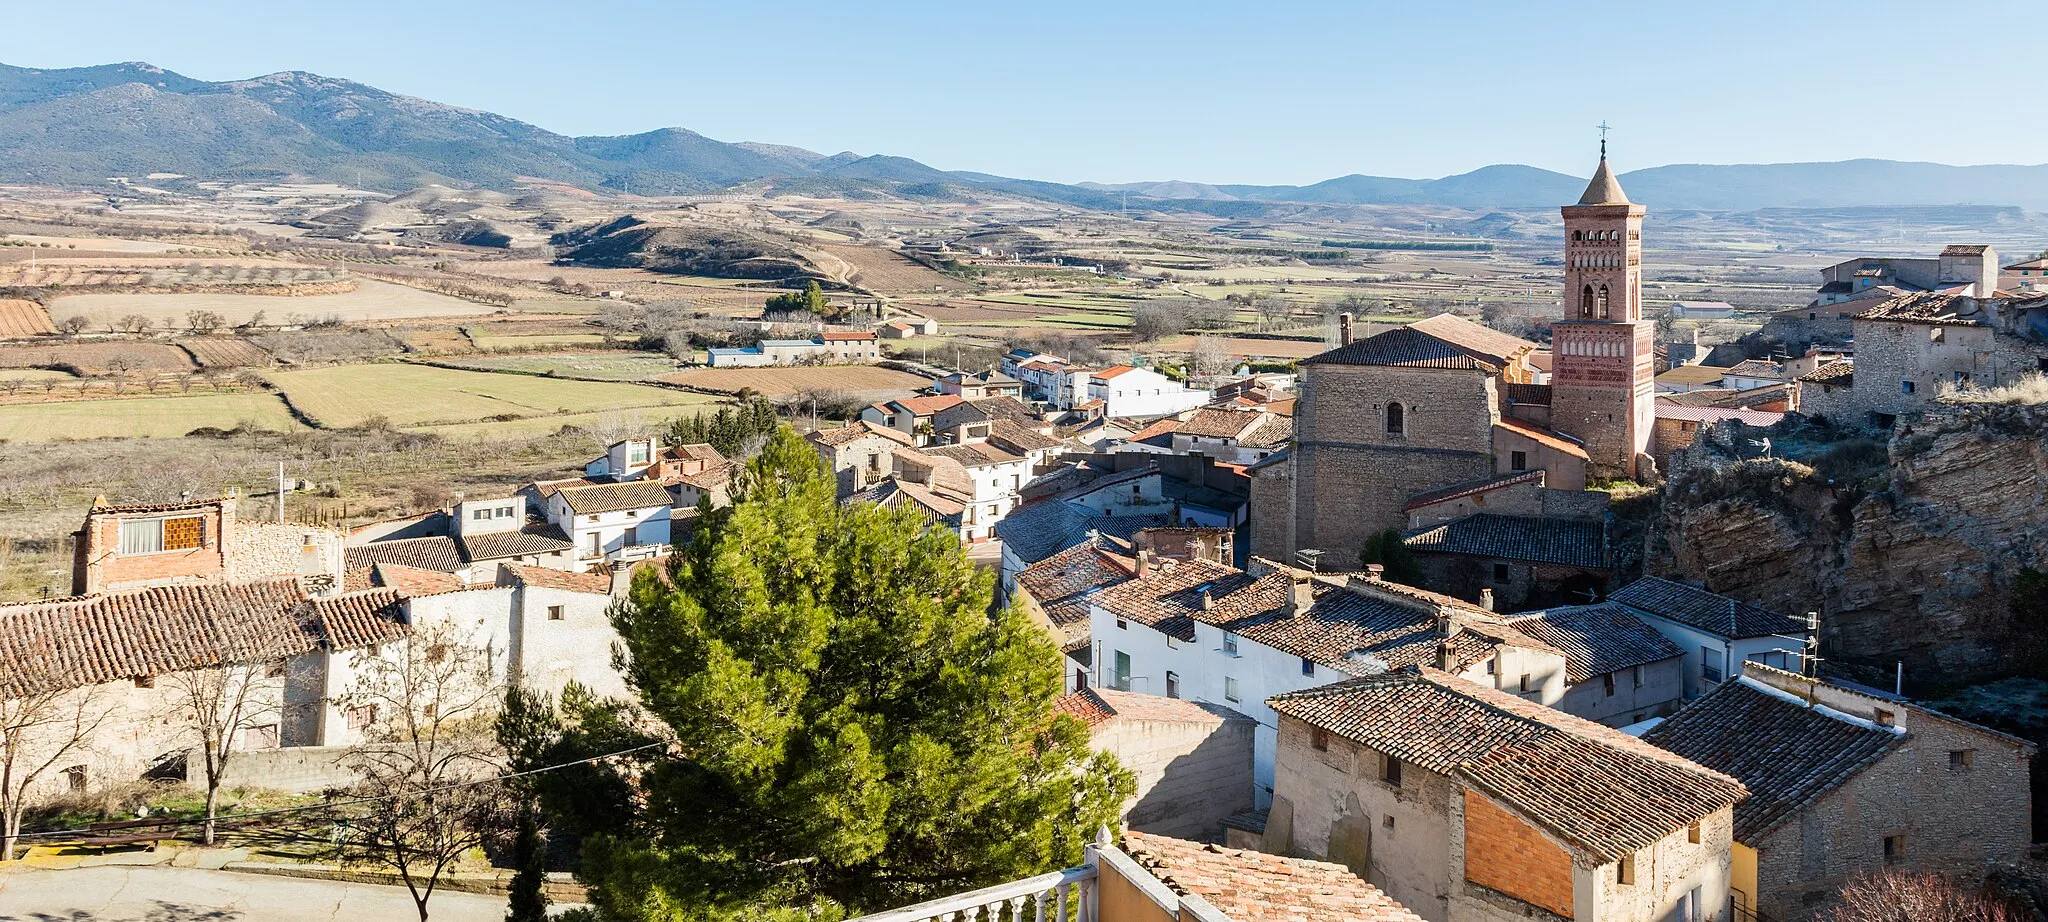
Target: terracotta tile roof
{"x": 712, "y": 477}
{"x": 700, "y": 451}
{"x": 978, "y": 454}
{"x": 1037, "y": 531}
{"x": 100, "y": 505}
{"x": 1135, "y": 706}
{"x": 893, "y": 492}
{"x": 1405, "y": 347}
{"x": 1220, "y": 424}
{"x": 1062, "y": 583}
{"x": 1084, "y": 706}
{"x": 1715, "y": 614}
{"x": 549, "y": 578}
{"x": 434, "y": 553}
{"x": 1250, "y": 886}
{"x": 544, "y": 538}
{"x": 1548, "y": 438}
{"x": 1693, "y": 374}
{"x": 547, "y": 488}
{"x": 1935, "y": 308}
{"x": 1477, "y": 340}
{"x": 1112, "y": 371}
{"x": 848, "y": 337}
{"x": 1717, "y": 414}
{"x": 1756, "y": 368}
{"x": 359, "y": 619}
{"x": 847, "y": 435}
{"x": 87, "y": 640}
{"x": 987, "y": 408}
{"x": 1166, "y": 425}
{"x": 412, "y": 581}
{"x": 615, "y": 497}
{"x": 926, "y": 406}
{"x": 1597, "y": 639}
{"x": 1020, "y": 439}
{"x": 1841, "y": 374}
{"x": 1530, "y": 394}
{"x": 1530, "y": 539}
{"x": 1474, "y": 487}
{"x": 1965, "y": 249}
{"x": 1787, "y": 754}
{"x": 1601, "y": 791}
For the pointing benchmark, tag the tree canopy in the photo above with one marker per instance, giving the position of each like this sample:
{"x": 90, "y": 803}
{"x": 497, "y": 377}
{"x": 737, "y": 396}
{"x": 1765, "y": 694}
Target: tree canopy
{"x": 852, "y": 728}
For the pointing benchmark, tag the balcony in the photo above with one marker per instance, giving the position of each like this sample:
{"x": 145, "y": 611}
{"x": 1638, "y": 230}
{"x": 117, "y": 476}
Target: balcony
{"x": 1108, "y": 887}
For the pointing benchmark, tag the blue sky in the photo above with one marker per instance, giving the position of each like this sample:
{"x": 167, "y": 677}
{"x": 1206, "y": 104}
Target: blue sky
{"x": 1273, "y": 92}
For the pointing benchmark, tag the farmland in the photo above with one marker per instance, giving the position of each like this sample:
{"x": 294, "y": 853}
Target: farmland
{"x": 23, "y": 318}
{"x": 777, "y": 382}
{"x": 371, "y": 300}
{"x": 604, "y": 366}
{"x": 145, "y": 417}
{"x": 878, "y": 269}
{"x": 224, "y": 352}
{"x": 95, "y": 358}
{"x": 609, "y": 420}
{"x": 413, "y": 395}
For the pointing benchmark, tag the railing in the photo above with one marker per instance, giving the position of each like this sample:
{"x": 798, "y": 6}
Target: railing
{"x": 1045, "y": 898}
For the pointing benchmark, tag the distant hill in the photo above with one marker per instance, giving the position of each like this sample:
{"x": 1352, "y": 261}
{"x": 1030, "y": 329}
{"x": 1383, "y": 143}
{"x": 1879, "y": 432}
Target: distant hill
{"x": 82, "y": 125}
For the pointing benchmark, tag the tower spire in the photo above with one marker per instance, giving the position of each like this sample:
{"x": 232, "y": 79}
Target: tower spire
{"x": 1603, "y": 138}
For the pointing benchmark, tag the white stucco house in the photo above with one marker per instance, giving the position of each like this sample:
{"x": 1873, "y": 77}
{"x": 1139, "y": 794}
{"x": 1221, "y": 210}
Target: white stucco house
{"x": 615, "y": 522}
{"x": 1718, "y": 634}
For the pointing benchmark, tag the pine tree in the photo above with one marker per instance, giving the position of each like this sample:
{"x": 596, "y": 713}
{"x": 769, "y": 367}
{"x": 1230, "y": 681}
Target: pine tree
{"x": 856, "y": 729}
{"x": 1388, "y": 550}
{"x": 529, "y": 897}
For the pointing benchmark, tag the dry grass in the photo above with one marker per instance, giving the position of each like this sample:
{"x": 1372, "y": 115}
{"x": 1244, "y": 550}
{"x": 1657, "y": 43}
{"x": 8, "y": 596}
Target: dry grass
{"x": 225, "y": 352}
{"x": 370, "y": 301}
{"x": 878, "y": 269}
{"x": 417, "y": 395}
{"x": 2030, "y": 390}
{"x": 23, "y": 318}
{"x": 777, "y": 382}
{"x": 97, "y": 358}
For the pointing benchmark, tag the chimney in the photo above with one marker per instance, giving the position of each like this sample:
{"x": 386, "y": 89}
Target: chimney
{"x": 1303, "y": 596}
{"x": 1373, "y": 571}
{"x": 1344, "y": 329}
{"x": 1208, "y": 600}
{"x": 1445, "y": 659}
{"x": 1144, "y": 566}
{"x": 1486, "y": 599}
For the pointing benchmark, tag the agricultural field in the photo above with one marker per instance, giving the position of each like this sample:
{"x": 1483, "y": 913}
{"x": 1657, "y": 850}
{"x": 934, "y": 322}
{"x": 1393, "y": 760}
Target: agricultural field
{"x": 23, "y": 318}
{"x": 863, "y": 380}
{"x": 1243, "y": 347}
{"x": 877, "y": 269}
{"x": 224, "y": 352}
{"x": 645, "y": 419}
{"x": 88, "y": 273}
{"x": 35, "y": 374}
{"x": 604, "y": 366}
{"x": 372, "y": 300}
{"x": 415, "y": 395}
{"x": 516, "y": 341}
{"x": 437, "y": 340}
{"x": 98, "y": 244}
{"x": 97, "y": 358}
{"x": 140, "y": 417}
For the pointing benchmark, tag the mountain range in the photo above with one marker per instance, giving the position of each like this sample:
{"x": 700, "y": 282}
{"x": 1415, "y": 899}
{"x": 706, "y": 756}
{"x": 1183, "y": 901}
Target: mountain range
{"x": 79, "y": 126}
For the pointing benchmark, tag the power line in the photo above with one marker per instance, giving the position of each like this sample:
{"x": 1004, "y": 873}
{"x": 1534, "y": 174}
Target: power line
{"x": 201, "y": 821}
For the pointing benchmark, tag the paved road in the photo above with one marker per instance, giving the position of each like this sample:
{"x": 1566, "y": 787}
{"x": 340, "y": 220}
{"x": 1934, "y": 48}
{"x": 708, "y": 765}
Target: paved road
{"x": 158, "y": 894}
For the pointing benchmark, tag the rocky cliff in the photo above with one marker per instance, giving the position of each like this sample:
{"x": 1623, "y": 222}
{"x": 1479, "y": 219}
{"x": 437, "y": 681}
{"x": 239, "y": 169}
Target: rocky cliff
{"x": 1910, "y": 555}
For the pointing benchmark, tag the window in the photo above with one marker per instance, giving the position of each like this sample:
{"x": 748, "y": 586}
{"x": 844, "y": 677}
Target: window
{"x": 361, "y": 717}
{"x": 636, "y": 453}
{"x": 632, "y": 535}
{"x": 154, "y": 536}
{"x": 556, "y": 613}
{"x": 145, "y": 681}
{"x": 1586, "y": 302}
{"x": 1121, "y": 679}
{"x": 1600, "y": 305}
{"x": 1710, "y": 664}
{"x": 1883, "y": 717}
{"x": 1390, "y": 770}
{"x": 1905, "y": 387}
{"x": 1518, "y": 460}
{"x": 75, "y": 778}
{"x": 1937, "y": 335}
{"x": 1961, "y": 759}
{"x": 1397, "y": 422}
{"x": 1492, "y": 666}
{"x": 1692, "y": 833}
{"x": 1388, "y": 822}
{"x": 1500, "y": 573}
{"x": 1637, "y": 671}
{"x": 1229, "y": 644}
{"x": 1525, "y": 681}
{"x": 1894, "y": 849}
{"x": 1319, "y": 738}
{"x": 504, "y": 512}
{"x": 1625, "y": 870}
{"x": 1172, "y": 684}
{"x": 1308, "y": 666}
{"x": 1609, "y": 681}
{"x": 590, "y": 518}
{"x": 1230, "y": 689}
{"x": 1121, "y": 625}
{"x": 480, "y": 515}
{"x": 263, "y": 737}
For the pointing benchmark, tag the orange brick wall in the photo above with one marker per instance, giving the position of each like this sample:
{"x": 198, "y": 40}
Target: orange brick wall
{"x": 1505, "y": 854}
{"x": 102, "y": 567}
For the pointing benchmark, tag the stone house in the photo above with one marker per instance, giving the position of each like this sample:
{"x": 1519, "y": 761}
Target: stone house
{"x": 1618, "y": 671}
{"x": 1719, "y": 635}
{"x": 1204, "y": 631}
{"x": 1829, "y": 391}
{"x": 1467, "y": 803}
{"x": 191, "y": 541}
{"x": 859, "y": 455}
{"x": 911, "y": 416}
{"x": 1193, "y": 760}
{"x": 1232, "y": 436}
{"x": 1518, "y": 561}
{"x": 1844, "y": 782}
{"x": 1678, "y": 427}
{"x": 1910, "y": 347}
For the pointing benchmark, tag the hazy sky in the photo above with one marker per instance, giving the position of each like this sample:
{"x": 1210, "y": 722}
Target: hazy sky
{"x": 1271, "y": 92}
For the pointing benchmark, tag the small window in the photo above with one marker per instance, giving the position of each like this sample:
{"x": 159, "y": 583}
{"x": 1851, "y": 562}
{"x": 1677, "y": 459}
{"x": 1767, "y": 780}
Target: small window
{"x": 1122, "y": 625}
{"x": 556, "y": 613}
{"x": 479, "y": 515}
{"x": 145, "y": 681}
{"x": 1894, "y": 849}
{"x": 1230, "y": 689}
{"x": 1229, "y": 643}
{"x": 75, "y": 778}
{"x": 504, "y": 512}
{"x": 1625, "y": 870}
{"x": 1172, "y": 684}
{"x": 262, "y": 737}
{"x": 1492, "y": 666}
{"x": 1962, "y": 759}
{"x": 1937, "y": 335}
{"x": 1319, "y": 739}
{"x": 1883, "y": 717}
{"x": 1308, "y": 666}
{"x": 1390, "y": 771}
{"x": 1388, "y": 822}
{"x": 1905, "y": 387}
{"x": 1518, "y": 460}
{"x": 1397, "y": 422}
{"x": 1609, "y": 681}
{"x": 1710, "y": 664}
{"x": 590, "y": 518}
{"x": 361, "y": 717}
{"x": 1525, "y": 681}
{"x": 1500, "y": 573}
{"x": 1692, "y": 834}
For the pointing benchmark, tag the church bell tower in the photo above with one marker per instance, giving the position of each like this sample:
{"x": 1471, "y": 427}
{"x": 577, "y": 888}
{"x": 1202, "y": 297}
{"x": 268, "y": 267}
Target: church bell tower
{"x": 1603, "y": 378}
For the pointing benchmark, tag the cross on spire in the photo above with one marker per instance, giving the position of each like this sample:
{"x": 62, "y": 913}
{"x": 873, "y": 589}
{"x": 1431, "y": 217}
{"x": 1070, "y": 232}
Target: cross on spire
{"x": 1603, "y": 138}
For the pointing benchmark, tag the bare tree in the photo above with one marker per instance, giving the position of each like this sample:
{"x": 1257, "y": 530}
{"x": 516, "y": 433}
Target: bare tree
{"x": 223, "y": 710}
{"x": 1209, "y": 357}
{"x": 1154, "y": 319}
{"x": 14, "y": 385}
{"x": 431, "y": 701}
{"x": 1274, "y": 312}
{"x": 43, "y": 724}
{"x": 132, "y": 323}
{"x": 204, "y": 322}
{"x": 1899, "y": 896}
{"x": 615, "y": 426}
{"x": 74, "y": 324}
{"x": 618, "y": 320}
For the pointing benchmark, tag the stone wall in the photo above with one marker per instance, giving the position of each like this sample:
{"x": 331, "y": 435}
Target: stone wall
{"x": 1272, "y": 510}
{"x": 1191, "y": 774}
{"x": 1660, "y": 692}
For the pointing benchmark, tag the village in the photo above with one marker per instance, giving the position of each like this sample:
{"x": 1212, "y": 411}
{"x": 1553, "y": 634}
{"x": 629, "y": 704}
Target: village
{"x": 1369, "y": 629}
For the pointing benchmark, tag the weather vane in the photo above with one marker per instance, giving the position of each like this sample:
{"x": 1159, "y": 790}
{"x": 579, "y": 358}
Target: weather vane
{"x": 1603, "y": 138}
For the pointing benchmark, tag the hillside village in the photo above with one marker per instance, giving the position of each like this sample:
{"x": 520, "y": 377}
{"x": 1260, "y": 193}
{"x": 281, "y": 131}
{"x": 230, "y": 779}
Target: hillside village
{"x": 1392, "y": 625}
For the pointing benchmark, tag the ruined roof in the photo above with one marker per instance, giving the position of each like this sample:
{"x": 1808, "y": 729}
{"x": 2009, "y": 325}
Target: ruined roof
{"x": 1601, "y": 791}
{"x": 849, "y": 434}
{"x": 615, "y": 497}
{"x": 1474, "y": 487}
{"x": 1604, "y": 189}
{"x": 1933, "y": 308}
{"x": 100, "y": 505}
{"x": 1529, "y": 539}
{"x": 1597, "y": 639}
{"x": 1835, "y": 373}
{"x": 999, "y": 407}
{"x": 550, "y": 578}
{"x": 1788, "y": 754}
{"x": 1964, "y": 249}
{"x": 1715, "y": 614}
{"x": 438, "y": 552}
{"x": 358, "y": 619}
{"x": 1251, "y": 886}
{"x": 541, "y": 538}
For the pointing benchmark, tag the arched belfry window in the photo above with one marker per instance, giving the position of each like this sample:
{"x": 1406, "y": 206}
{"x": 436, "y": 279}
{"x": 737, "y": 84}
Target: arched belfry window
{"x": 1601, "y": 306}
{"x": 1578, "y": 236}
{"x": 1397, "y": 419}
{"x": 1586, "y": 302}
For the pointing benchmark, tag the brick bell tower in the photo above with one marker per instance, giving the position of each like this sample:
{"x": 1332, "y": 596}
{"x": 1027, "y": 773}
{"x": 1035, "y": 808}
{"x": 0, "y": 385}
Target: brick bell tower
{"x": 1603, "y": 368}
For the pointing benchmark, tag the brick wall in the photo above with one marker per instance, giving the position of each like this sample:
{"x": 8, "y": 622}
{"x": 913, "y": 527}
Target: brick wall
{"x": 1272, "y": 511}
{"x": 1602, "y": 391}
{"x": 1505, "y": 854}
{"x": 101, "y": 566}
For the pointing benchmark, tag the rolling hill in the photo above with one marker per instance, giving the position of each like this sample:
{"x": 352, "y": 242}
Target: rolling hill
{"x": 79, "y": 126}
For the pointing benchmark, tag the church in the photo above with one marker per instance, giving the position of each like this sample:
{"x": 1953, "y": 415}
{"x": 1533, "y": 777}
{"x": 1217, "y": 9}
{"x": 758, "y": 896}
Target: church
{"x": 1444, "y": 418}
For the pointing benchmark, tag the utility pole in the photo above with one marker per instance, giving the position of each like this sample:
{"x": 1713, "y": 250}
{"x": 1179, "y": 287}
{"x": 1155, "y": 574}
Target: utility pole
{"x": 280, "y": 492}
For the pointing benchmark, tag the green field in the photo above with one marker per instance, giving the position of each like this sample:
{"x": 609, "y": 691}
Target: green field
{"x": 414, "y": 395}
{"x": 150, "y": 417}
{"x": 606, "y": 366}
{"x": 494, "y": 341}
{"x": 539, "y": 426}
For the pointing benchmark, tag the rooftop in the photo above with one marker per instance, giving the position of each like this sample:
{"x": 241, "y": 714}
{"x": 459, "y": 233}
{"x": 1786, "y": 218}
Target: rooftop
{"x": 1597, "y": 639}
{"x": 543, "y": 538}
{"x": 1758, "y": 418}
{"x": 1096, "y": 706}
{"x": 1604, "y": 189}
{"x": 1474, "y": 487}
{"x": 1403, "y": 347}
{"x": 1475, "y": 339}
{"x": 1692, "y": 374}
{"x": 1933, "y": 308}
{"x": 1600, "y": 791}
{"x": 615, "y": 497}
{"x": 1715, "y": 614}
{"x": 550, "y": 578}
{"x": 1837, "y": 373}
{"x": 1250, "y": 886}
{"x": 1063, "y": 583}
{"x": 432, "y": 553}
{"x": 1036, "y": 531}
{"x": 1529, "y": 539}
